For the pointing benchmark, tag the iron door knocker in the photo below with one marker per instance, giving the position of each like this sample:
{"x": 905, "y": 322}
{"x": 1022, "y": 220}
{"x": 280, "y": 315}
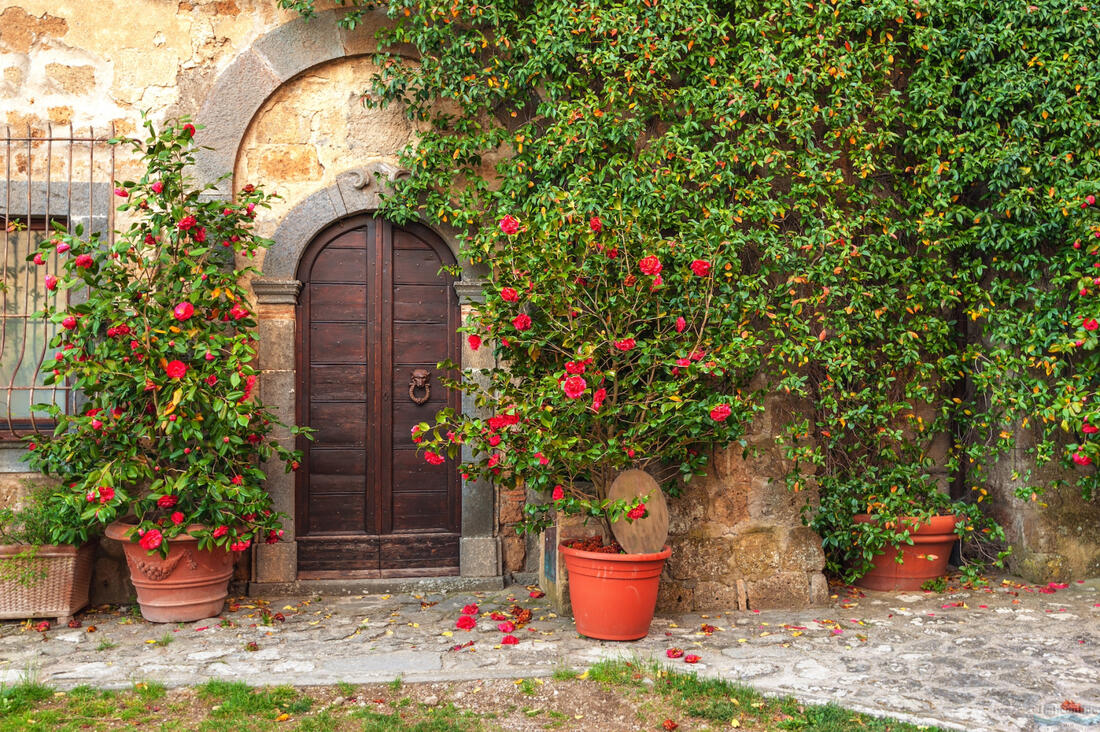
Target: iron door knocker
{"x": 421, "y": 379}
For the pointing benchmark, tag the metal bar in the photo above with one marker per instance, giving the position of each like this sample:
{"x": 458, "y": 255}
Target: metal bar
{"x": 7, "y": 248}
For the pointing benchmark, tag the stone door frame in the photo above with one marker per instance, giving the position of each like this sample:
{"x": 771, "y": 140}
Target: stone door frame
{"x": 228, "y": 110}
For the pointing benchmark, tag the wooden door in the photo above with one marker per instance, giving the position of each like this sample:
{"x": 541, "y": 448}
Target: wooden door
{"x": 374, "y": 307}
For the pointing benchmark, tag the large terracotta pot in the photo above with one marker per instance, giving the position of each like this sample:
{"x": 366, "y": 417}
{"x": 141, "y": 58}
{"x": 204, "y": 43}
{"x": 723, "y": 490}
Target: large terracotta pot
{"x": 924, "y": 560}
{"x": 189, "y": 584}
{"x": 613, "y": 595}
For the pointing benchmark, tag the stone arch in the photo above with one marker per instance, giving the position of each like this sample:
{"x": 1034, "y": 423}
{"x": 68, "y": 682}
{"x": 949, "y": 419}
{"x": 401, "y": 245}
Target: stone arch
{"x": 272, "y": 60}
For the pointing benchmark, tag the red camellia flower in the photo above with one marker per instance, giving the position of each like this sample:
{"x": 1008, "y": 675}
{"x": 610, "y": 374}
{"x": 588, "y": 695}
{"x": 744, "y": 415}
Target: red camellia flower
{"x": 680, "y": 324}
{"x": 637, "y": 512}
{"x": 167, "y": 501}
{"x": 51, "y": 282}
{"x": 522, "y": 321}
{"x": 508, "y": 294}
{"x": 595, "y": 224}
{"x": 626, "y": 344}
{"x": 674, "y": 653}
{"x": 1090, "y": 324}
{"x": 62, "y": 247}
{"x": 1081, "y": 459}
{"x": 474, "y": 341}
{"x": 433, "y": 458}
{"x": 598, "y": 399}
{"x": 691, "y": 658}
{"x": 558, "y": 494}
{"x": 68, "y": 323}
{"x": 84, "y": 261}
{"x": 574, "y": 386}
{"x": 471, "y": 609}
{"x": 189, "y": 129}
{"x": 721, "y": 413}
{"x": 150, "y": 540}
{"x": 509, "y": 224}
{"x": 38, "y": 259}
{"x": 575, "y": 367}
{"x": 175, "y": 369}
{"x": 509, "y": 640}
{"x": 177, "y": 518}
{"x": 700, "y": 267}
{"x": 506, "y": 627}
{"x": 1090, "y": 429}
{"x": 186, "y": 223}
{"x": 212, "y": 379}
{"x": 238, "y": 312}
{"x": 106, "y": 493}
{"x": 122, "y": 193}
{"x": 650, "y": 265}
{"x": 240, "y": 546}
{"x": 183, "y": 311}
{"x": 158, "y": 187}
{"x": 466, "y": 622}
{"x": 220, "y": 531}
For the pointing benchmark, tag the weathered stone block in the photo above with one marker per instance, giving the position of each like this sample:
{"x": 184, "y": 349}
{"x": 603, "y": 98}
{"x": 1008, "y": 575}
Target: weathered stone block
{"x": 727, "y": 595}
{"x": 479, "y": 556}
{"x": 770, "y": 500}
{"x": 511, "y": 506}
{"x": 276, "y": 347}
{"x": 514, "y": 549}
{"x": 694, "y": 558}
{"x": 801, "y": 550}
{"x": 779, "y": 590}
{"x": 276, "y": 562}
{"x": 675, "y": 597}
{"x": 755, "y": 554}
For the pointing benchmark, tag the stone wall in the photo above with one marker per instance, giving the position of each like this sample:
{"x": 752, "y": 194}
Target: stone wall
{"x": 1055, "y": 536}
{"x": 737, "y": 535}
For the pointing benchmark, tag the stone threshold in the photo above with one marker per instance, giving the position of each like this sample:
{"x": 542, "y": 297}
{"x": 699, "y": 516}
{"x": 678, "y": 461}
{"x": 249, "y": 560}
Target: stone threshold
{"x": 392, "y": 585}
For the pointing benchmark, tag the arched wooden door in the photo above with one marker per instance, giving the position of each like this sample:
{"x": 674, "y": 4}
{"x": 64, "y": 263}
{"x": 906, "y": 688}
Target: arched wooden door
{"x": 374, "y": 307}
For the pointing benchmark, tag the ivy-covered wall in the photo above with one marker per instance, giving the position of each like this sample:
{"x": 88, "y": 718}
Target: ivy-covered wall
{"x": 900, "y": 192}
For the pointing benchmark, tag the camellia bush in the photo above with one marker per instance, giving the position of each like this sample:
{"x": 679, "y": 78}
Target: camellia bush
{"x": 890, "y": 189}
{"x": 619, "y": 349}
{"x": 155, "y": 342}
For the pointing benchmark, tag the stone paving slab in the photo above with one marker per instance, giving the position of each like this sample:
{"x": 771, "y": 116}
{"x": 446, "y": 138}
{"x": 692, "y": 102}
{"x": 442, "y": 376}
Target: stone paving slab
{"x": 1001, "y": 658}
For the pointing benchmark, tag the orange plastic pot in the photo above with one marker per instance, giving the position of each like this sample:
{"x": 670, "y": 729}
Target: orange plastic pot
{"x": 189, "y": 584}
{"x": 613, "y": 595}
{"x": 924, "y": 560}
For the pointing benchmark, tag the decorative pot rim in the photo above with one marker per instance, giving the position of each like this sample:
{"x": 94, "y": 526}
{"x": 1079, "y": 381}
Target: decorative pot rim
{"x": 663, "y": 554}
{"x": 923, "y": 522}
{"x": 123, "y": 531}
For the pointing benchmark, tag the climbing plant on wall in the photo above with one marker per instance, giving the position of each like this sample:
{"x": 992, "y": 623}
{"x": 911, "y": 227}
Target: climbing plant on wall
{"x": 892, "y": 189}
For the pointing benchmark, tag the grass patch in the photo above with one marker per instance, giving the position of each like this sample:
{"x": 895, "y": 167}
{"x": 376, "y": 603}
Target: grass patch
{"x": 726, "y": 704}
{"x": 568, "y": 701}
{"x": 233, "y": 699}
{"x": 22, "y": 696}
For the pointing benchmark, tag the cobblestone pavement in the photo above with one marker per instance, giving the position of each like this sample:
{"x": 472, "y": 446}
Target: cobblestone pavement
{"x": 1003, "y": 658}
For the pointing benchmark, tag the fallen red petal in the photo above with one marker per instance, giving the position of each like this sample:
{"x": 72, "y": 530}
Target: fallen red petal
{"x": 674, "y": 652}
{"x": 691, "y": 658}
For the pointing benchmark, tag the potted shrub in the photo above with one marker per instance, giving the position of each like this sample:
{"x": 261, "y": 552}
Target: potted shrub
{"x": 166, "y": 444}
{"x": 617, "y": 348}
{"x": 38, "y": 578}
{"x": 894, "y": 528}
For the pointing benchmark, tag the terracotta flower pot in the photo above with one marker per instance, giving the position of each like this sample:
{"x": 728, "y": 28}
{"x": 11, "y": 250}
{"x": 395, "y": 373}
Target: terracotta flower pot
{"x": 925, "y": 559}
{"x": 190, "y": 584}
{"x": 613, "y": 595}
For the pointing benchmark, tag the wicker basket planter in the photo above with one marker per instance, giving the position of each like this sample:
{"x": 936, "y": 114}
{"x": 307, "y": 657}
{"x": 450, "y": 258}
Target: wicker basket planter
{"x": 62, "y": 590}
